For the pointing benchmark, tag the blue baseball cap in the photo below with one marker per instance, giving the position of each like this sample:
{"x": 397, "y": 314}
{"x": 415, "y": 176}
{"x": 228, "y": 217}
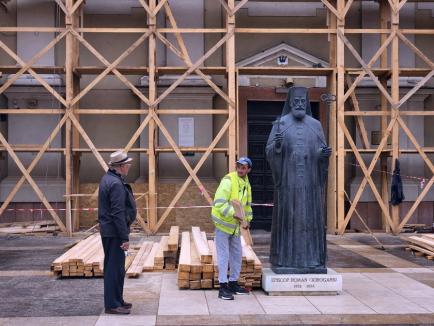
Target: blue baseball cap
{"x": 245, "y": 160}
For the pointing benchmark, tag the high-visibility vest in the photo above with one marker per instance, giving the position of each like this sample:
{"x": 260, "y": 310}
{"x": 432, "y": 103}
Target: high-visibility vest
{"x": 222, "y": 212}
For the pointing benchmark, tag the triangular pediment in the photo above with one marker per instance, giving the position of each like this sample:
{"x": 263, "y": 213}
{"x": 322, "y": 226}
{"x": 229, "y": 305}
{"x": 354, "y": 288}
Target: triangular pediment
{"x": 294, "y": 57}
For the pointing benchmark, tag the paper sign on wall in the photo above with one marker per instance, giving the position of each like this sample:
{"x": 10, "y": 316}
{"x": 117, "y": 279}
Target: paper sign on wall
{"x": 186, "y": 132}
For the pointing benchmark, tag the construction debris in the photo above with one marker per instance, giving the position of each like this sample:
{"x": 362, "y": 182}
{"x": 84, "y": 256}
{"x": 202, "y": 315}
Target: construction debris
{"x": 48, "y": 226}
{"x": 198, "y": 265}
{"x": 421, "y": 246}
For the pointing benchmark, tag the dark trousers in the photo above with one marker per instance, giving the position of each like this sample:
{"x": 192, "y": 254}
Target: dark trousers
{"x": 114, "y": 272}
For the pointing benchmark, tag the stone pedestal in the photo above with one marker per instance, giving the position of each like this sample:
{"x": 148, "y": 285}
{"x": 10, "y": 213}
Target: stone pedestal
{"x": 301, "y": 284}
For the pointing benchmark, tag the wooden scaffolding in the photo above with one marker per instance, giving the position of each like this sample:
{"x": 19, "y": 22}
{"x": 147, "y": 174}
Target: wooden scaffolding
{"x": 342, "y": 82}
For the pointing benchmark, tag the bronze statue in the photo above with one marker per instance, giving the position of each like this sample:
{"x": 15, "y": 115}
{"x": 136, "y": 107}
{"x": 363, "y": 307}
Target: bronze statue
{"x": 298, "y": 156}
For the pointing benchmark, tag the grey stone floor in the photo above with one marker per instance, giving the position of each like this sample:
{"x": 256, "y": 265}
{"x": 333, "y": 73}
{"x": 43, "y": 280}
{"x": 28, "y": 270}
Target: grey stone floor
{"x": 387, "y": 287}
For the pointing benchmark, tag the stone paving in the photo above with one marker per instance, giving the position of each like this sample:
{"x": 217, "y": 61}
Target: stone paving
{"x": 385, "y": 289}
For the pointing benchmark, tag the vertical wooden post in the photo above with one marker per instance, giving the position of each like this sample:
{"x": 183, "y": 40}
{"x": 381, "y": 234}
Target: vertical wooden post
{"x": 331, "y": 83}
{"x": 152, "y": 178}
{"x": 69, "y": 89}
{"x": 384, "y": 18}
{"x": 230, "y": 66}
{"x": 395, "y": 98}
{"x": 340, "y": 168}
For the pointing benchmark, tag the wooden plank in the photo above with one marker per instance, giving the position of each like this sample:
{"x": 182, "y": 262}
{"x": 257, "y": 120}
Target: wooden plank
{"x": 184, "y": 264}
{"x": 148, "y": 265}
{"x": 421, "y": 242}
{"x": 201, "y": 245}
{"x": 159, "y": 255}
{"x": 239, "y": 210}
{"x": 430, "y": 254}
{"x": 173, "y": 241}
{"x": 195, "y": 261}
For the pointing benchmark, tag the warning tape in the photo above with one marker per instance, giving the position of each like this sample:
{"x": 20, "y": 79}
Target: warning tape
{"x": 95, "y": 209}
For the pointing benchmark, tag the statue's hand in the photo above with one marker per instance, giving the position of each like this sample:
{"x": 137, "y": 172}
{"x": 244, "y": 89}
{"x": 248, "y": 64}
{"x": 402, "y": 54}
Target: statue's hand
{"x": 278, "y": 139}
{"x": 325, "y": 152}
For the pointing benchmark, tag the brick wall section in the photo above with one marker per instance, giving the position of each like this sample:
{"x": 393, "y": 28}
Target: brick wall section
{"x": 184, "y": 217}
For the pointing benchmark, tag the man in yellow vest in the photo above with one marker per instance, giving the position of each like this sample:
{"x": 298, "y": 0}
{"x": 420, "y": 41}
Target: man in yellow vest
{"x": 234, "y": 186}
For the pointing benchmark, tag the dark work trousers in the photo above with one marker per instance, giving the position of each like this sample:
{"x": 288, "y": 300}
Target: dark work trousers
{"x": 114, "y": 272}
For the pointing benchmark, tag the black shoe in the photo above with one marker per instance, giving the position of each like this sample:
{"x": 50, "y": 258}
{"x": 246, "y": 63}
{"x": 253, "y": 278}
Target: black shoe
{"x": 127, "y": 305}
{"x": 236, "y": 289}
{"x": 118, "y": 311}
{"x": 225, "y": 293}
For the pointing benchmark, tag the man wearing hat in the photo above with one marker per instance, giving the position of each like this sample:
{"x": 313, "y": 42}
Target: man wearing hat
{"x": 116, "y": 212}
{"x": 234, "y": 186}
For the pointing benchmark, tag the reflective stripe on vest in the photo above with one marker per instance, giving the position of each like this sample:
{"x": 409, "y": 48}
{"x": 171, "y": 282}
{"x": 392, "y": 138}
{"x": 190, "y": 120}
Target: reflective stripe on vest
{"x": 219, "y": 221}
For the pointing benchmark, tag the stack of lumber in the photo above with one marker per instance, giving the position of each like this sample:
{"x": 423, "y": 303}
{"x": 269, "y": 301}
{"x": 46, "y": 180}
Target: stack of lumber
{"x": 29, "y": 227}
{"x": 84, "y": 259}
{"x": 198, "y": 265}
{"x": 136, "y": 266}
{"x": 421, "y": 245}
{"x": 156, "y": 256}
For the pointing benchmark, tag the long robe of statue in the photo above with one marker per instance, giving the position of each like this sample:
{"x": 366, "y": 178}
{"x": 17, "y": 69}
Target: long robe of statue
{"x": 298, "y": 157}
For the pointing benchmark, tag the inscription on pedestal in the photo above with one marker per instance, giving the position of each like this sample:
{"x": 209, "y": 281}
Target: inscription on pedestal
{"x": 302, "y": 283}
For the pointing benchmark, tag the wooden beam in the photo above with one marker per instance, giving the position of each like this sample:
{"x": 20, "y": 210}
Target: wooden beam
{"x": 359, "y": 120}
{"x": 32, "y": 183}
{"x": 340, "y": 167}
{"x": 195, "y": 170}
{"x": 121, "y": 77}
{"x": 111, "y": 66}
{"x": 32, "y": 165}
{"x": 332, "y": 132}
{"x": 152, "y": 140}
{"x": 394, "y": 59}
{"x": 384, "y": 19}
{"x": 191, "y": 69}
{"x": 232, "y": 86}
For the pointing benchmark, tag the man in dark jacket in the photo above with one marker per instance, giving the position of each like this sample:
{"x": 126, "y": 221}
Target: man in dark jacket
{"x": 116, "y": 212}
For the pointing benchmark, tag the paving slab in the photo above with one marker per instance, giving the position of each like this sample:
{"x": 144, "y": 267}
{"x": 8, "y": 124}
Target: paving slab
{"x": 115, "y": 320}
{"x": 199, "y": 320}
{"x": 241, "y": 305}
{"x": 50, "y": 321}
{"x": 180, "y": 302}
{"x": 381, "y": 256}
{"x": 344, "y": 303}
{"x": 283, "y": 305}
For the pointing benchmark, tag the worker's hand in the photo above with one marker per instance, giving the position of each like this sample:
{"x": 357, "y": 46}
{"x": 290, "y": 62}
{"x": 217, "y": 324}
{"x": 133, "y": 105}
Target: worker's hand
{"x": 125, "y": 246}
{"x": 238, "y": 217}
{"x": 245, "y": 225}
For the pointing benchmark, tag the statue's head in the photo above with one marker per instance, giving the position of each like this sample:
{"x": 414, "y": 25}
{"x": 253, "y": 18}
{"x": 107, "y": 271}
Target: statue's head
{"x": 297, "y": 103}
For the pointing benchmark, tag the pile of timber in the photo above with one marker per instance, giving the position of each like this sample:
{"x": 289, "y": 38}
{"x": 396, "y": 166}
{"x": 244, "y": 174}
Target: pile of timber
{"x": 84, "y": 259}
{"x": 419, "y": 228}
{"x": 198, "y": 264}
{"x": 421, "y": 246}
{"x": 156, "y": 256}
{"x": 48, "y": 226}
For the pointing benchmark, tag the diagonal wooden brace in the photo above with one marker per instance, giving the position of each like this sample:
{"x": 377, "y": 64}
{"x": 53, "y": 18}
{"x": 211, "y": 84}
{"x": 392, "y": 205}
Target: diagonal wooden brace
{"x": 192, "y": 68}
{"x": 32, "y": 183}
{"x": 112, "y": 66}
{"x": 32, "y": 165}
{"x": 121, "y": 77}
{"x": 27, "y": 67}
{"x": 195, "y": 170}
